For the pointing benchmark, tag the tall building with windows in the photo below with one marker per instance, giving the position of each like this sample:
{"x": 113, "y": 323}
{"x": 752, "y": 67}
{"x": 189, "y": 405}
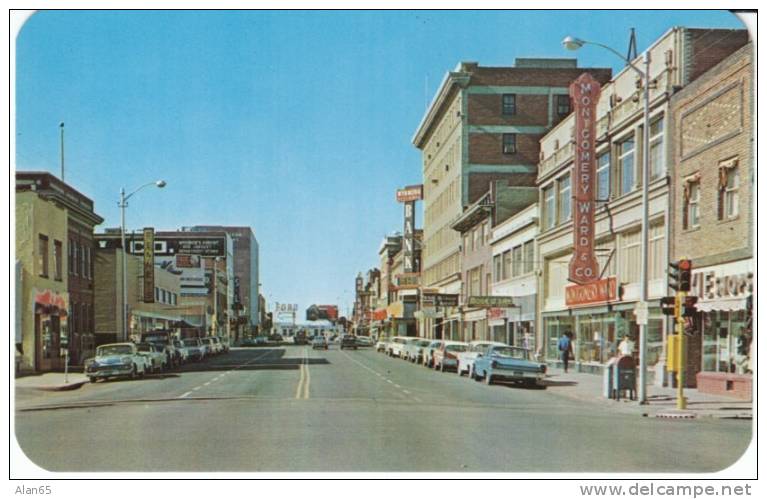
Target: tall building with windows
{"x": 484, "y": 124}
{"x": 712, "y": 191}
{"x": 600, "y": 319}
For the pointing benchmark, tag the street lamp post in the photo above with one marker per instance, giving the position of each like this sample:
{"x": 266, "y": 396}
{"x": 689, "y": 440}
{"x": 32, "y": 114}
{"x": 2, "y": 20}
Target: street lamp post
{"x": 124, "y": 204}
{"x": 572, "y": 43}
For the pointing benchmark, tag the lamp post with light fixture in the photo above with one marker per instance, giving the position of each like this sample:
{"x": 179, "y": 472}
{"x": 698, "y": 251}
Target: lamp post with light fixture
{"x": 572, "y": 43}
{"x": 124, "y": 204}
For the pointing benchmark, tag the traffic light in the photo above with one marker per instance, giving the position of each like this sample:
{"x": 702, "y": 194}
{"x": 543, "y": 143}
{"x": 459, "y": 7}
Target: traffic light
{"x": 689, "y": 309}
{"x": 667, "y": 304}
{"x": 680, "y": 275}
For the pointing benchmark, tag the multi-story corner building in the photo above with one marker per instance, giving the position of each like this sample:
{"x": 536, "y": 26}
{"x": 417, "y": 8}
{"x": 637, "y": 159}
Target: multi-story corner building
{"x": 246, "y": 273}
{"x": 80, "y": 246}
{"x": 161, "y": 314}
{"x": 484, "y": 124}
{"x": 403, "y": 302}
{"x": 601, "y": 314}
{"x": 712, "y": 198}
{"x": 514, "y": 274}
{"x": 380, "y": 321}
{"x": 205, "y": 263}
{"x": 41, "y": 285}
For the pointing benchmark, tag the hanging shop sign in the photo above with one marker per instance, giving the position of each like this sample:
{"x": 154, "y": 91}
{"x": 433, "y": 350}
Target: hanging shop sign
{"x": 148, "y": 265}
{"x": 409, "y": 195}
{"x": 408, "y": 281}
{"x": 439, "y": 300}
{"x": 584, "y": 93}
{"x": 601, "y": 291}
{"x": 490, "y": 301}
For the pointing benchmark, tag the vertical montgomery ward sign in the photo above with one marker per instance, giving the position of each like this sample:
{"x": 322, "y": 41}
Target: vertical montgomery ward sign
{"x": 149, "y": 265}
{"x": 584, "y": 92}
{"x": 409, "y": 195}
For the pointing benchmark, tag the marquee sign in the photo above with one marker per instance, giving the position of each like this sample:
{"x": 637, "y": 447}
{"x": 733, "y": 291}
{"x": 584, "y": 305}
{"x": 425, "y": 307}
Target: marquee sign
{"x": 584, "y": 92}
{"x": 409, "y": 195}
{"x": 599, "y": 291}
{"x": 490, "y": 302}
{"x": 148, "y": 265}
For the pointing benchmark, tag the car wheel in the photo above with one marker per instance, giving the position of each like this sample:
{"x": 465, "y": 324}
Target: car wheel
{"x": 133, "y": 372}
{"x": 93, "y": 379}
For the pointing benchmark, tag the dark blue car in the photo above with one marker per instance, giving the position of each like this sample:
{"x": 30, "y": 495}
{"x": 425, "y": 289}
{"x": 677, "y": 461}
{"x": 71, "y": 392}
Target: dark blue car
{"x": 506, "y": 363}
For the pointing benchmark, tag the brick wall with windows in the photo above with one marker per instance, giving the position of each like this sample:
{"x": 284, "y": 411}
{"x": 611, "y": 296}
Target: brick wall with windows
{"x": 530, "y": 110}
{"x": 713, "y": 124}
{"x": 488, "y": 148}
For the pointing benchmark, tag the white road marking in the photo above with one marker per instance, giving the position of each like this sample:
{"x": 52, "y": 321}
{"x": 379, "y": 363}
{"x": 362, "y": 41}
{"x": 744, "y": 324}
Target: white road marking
{"x": 185, "y": 395}
{"x": 390, "y": 381}
{"x": 196, "y": 388}
{"x": 206, "y": 384}
{"x": 405, "y": 391}
{"x": 395, "y": 384}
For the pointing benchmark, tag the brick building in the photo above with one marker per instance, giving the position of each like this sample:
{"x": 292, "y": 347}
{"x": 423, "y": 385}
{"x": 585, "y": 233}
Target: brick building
{"x": 678, "y": 58}
{"x": 80, "y": 247}
{"x": 712, "y": 120}
{"x": 483, "y": 125}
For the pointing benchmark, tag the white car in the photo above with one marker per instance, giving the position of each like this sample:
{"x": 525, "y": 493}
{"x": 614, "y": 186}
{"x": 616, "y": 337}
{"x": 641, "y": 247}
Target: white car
{"x": 382, "y": 344}
{"x": 155, "y": 357}
{"x": 396, "y": 346}
{"x": 115, "y": 359}
{"x": 428, "y": 352}
{"x": 414, "y": 349}
{"x": 466, "y": 359}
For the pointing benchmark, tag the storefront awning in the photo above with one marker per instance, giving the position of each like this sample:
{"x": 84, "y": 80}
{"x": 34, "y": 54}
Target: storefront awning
{"x": 722, "y": 304}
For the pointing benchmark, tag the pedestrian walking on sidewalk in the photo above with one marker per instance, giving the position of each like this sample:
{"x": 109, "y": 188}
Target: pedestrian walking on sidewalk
{"x": 565, "y": 348}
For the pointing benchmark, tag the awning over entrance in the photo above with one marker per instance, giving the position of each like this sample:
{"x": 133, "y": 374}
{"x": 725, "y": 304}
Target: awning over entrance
{"x": 722, "y": 304}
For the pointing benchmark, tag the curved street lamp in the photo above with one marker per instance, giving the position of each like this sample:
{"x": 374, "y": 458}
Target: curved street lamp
{"x": 574, "y": 43}
{"x": 124, "y": 204}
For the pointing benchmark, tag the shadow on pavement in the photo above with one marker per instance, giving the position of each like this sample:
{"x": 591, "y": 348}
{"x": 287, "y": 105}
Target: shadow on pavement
{"x": 559, "y": 383}
{"x": 251, "y": 360}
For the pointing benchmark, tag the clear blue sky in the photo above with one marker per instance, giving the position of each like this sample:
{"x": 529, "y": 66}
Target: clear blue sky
{"x": 297, "y": 124}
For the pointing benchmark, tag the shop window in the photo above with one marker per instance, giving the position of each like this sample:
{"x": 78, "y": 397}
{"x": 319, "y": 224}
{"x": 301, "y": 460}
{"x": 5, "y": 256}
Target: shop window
{"x": 549, "y": 207}
{"x": 517, "y": 264}
{"x": 509, "y": 104}
{"x": 691, "y": 212}
{"x": 603, "y": 177}
{"x": 509, "y": 143}
{"x": 506, "y": 264}
{"x": 565, "y": 199}
{"x": 42, "y": 251}
{"x": 498, "y": 267}
{"x": 563, "y": 105}
{"x": 555, "y": 327}
{"x": 626, "y": 166}
{"x": 57, "y": 257}
{"x": 657, "y": 160}
{"x": 529, "y": 257}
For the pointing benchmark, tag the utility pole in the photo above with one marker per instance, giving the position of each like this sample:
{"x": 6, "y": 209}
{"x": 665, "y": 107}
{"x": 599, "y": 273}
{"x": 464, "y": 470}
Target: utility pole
{"x": 61, "y": 126}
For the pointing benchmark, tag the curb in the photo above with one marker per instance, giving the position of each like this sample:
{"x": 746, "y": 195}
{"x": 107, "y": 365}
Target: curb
{"x": 676, "y": 415}
{"x": 60, "y": 388}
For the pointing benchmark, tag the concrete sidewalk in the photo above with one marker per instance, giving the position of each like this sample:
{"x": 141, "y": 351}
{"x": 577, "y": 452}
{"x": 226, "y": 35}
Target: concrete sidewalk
{"x": 661, "y": 401}
{"x": 52, "y": 381}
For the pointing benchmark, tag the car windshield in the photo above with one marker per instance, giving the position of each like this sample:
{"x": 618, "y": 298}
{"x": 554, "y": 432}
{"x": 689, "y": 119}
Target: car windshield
{"x": 456, "y": 348}
{"x": 514, "y": 353}
{"x": 190, "y": 343}
{"x": 114, "y": 350}
{"x": 424, "y": 343}
{"x": 144, "y": 348}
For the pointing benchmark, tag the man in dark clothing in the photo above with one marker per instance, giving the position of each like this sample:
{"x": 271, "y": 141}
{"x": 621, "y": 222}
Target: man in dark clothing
{"x": 565, "y": 348}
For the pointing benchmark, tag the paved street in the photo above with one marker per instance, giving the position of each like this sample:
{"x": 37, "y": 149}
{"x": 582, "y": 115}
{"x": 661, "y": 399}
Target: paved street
{"x": 294, "y": 409}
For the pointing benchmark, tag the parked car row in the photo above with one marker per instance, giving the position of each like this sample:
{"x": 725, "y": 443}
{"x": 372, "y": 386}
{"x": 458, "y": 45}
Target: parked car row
{"x": 133, "y": 360}
{"x": 481, "y": 360}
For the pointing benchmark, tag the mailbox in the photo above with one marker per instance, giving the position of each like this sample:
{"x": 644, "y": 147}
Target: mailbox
{"x": 624, "y": 377}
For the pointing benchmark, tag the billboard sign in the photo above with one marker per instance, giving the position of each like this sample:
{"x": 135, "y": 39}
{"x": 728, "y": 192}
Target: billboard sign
{"x": 410, "y": 193}
{"x": 599, "y": 291}
{"x": 203, "y": 246}
{"x": 148, "y": 265}
{"x": 491, "y": 302}
{"x": 584, "y": 93}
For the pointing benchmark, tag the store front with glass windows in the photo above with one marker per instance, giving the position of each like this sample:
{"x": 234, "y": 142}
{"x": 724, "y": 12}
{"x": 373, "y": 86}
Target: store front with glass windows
{"x": 597, "y": 332}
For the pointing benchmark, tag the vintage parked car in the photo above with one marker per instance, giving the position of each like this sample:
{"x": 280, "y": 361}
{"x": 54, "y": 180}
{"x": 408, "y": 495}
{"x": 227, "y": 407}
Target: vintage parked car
{"x": 218, "y": 345}
{"x": 210, "y": 347}
{"x": 395, "y": 346}
{"x": 348, "y": 341}
{"x": 319, "y": 341}
{"x": 195, "y": 348}
{"x": 505, "y": 363}
{"x": 163, "y": 341}
{"x": 413, "y": 350}
{"x": 115, "y": 359}
{"x": 224, "y": 344}
{"x": 445, "y": 357}
{"x": 428, "y": 352}
{"x": 382, "y": 344}
{"x": 364, "y": 341}
{"x": 466, "y": 359}
{"x": 183, "y": 352}
{"x": 156, "y": 356}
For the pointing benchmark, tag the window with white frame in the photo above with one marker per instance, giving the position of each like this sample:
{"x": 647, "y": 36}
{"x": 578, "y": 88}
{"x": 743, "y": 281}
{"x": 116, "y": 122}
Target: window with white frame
{"x": 506, "y": 264}
{"x": 565, "y": 199}
{"x": 656, "y": 252}
{"x": 603, "y": 176}
{"x": 517, "y": 265}
{"x": 731, "y": 193}
{"x": 657, "y": 162}
{"x": 626, "y": 165}
{"x": 630, "y": 257}
{"x": 498, "y": 267}
{"x": 529, "y": 256}
{"x": 549, "y": 206}
{"x": 692, "y": 205}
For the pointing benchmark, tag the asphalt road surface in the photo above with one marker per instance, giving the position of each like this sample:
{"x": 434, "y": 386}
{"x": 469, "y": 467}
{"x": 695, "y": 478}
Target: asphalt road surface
{"x": 295, "y": 409}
